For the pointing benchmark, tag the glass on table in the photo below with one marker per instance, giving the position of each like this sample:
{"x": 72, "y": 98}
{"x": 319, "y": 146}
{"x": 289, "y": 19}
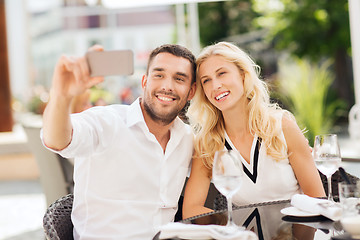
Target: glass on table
{"x": 327, "y": 157}
{"x": 350, "y": 201}
{"x": 227, "y": 177}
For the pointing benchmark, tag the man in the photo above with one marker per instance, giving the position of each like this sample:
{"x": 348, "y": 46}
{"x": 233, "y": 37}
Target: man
{"x": 130, "y": 161}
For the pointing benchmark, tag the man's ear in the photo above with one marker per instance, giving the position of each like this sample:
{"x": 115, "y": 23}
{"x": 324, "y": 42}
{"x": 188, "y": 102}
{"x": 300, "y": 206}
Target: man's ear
{"x": 143, "y": 81}
{"x": 192, "y": 91}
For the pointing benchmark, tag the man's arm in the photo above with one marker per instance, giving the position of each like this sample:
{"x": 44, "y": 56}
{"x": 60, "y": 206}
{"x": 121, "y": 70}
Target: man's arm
{"x": 71, "y": 78}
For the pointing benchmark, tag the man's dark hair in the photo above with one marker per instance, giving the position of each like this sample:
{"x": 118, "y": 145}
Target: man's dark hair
{"x": 178, "y": 51}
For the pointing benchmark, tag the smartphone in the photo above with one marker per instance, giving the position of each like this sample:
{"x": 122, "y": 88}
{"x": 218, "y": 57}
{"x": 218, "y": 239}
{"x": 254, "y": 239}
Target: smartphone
{"x": 109, "y": 63}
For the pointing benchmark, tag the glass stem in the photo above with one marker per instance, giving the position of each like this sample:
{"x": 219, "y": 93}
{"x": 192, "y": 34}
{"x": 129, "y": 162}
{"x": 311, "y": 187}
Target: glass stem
{"x": 229, "y": 204}
{"x": 329, "y": 188}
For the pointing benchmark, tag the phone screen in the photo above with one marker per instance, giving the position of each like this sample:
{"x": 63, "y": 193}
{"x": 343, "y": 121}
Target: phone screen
{"x": 109, "y": 63}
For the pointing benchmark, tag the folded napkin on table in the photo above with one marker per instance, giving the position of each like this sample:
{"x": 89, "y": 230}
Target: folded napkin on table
{"x": 322, "y": 207}
{"x": 194, "y": 231}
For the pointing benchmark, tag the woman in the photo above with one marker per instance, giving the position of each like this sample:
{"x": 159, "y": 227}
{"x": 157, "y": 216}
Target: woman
{"x": 231, "y": 109}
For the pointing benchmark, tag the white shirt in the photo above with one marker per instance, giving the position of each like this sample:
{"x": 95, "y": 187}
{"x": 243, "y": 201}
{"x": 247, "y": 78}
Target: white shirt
{"x": 125, "y": 185}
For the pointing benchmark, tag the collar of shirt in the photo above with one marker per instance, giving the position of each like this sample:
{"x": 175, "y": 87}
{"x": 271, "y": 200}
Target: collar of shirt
{"x": 135, "y": 117}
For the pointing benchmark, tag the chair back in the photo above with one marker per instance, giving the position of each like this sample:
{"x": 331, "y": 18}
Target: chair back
{"x": 52, "y": 176}
{"x": 57, "y": 222}
{"x": 335, "y": 179}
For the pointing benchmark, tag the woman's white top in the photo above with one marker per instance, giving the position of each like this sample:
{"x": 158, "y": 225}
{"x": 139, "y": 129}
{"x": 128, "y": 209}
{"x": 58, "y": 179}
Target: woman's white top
{"x": 264, "y": 178}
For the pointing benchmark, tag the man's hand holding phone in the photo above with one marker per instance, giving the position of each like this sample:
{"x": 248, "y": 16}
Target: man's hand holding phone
{"x": 72, "y": 76}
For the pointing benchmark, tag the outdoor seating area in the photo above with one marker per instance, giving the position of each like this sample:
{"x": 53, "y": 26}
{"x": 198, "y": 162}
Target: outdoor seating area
{"x": 30, "y": 194}
{"x": 174, "y": 119}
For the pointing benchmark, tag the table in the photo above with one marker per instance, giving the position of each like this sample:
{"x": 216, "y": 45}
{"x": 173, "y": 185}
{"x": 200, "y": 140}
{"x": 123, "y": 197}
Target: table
{"x": 266, "y": 220}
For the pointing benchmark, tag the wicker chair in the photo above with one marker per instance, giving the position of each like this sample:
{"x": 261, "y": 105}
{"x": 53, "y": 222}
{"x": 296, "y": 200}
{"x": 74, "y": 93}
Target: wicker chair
{"x": 335, "y": 179}
{"x": 57, "y": 219}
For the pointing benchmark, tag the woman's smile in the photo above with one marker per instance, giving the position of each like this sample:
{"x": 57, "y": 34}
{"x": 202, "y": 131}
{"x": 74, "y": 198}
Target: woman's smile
{"x": 222, "y": 96}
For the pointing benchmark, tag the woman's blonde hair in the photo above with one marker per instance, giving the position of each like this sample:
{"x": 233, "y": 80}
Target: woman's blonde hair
{"x": 208, "y": 121}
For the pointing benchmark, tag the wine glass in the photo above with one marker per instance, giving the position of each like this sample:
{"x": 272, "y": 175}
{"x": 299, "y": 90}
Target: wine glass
{"x": 349, "y": 194}
{"x": 227, "y": 176}
{"x": 327, "y": 156}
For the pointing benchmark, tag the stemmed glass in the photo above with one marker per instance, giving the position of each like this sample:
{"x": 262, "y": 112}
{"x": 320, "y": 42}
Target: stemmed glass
{"x": 327, "y": 156}
{"x": 227, "y": 176}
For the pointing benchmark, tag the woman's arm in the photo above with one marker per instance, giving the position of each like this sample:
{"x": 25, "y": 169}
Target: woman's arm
{"x": 301, "y": 160}
{"x": 196, "y": 190}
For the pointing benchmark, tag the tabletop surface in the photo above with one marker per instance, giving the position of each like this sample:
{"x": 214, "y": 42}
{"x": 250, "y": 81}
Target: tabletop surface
{"x": 266, "y": 220}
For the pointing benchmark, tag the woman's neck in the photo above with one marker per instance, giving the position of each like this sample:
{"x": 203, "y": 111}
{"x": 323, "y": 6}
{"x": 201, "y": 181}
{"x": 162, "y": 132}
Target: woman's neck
{"x": 237, "y": 121}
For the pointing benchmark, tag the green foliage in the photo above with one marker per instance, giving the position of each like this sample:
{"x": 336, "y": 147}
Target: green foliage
{"x": 39, "y": 97}
{"x": 36, "y": 105}
{"x": 98, "y": 93}
{"x": 308, "y": 28}
{"x": 305, "y": 89}
{"x": 312, "y": 29}
{"x": 218, "y": 20}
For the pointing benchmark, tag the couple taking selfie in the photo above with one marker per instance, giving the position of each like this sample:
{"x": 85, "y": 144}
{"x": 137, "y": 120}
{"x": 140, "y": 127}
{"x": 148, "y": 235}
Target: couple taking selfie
{"x": 131, "y": 161}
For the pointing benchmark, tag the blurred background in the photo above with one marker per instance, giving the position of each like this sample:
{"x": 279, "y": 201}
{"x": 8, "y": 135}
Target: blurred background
{"x": 308, "y": 51}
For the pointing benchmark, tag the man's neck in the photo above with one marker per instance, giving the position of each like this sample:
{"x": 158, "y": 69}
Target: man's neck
{"x": 160, "y": 130}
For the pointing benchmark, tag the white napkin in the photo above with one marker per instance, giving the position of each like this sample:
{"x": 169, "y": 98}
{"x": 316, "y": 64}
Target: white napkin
{"x": 194, "y": 231}
{"x": 323, "y": 207}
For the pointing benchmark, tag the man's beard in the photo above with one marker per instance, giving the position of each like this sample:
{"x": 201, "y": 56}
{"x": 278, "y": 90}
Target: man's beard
{"x": 165, "y": 118}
